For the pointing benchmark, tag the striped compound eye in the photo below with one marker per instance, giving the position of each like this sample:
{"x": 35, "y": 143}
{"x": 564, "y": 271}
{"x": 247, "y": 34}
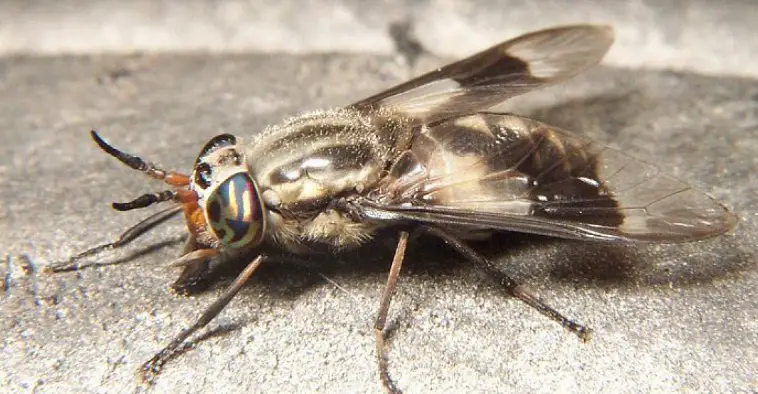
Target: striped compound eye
{"x": 234, "y": 212}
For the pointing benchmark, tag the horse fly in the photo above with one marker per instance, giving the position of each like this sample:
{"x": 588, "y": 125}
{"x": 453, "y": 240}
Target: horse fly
{"x": 424, "y": 156}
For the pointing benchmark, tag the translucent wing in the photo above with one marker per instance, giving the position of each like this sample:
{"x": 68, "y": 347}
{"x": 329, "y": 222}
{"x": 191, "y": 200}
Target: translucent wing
{"x": 504, "y": 172}
{"x": 494, "y": 75}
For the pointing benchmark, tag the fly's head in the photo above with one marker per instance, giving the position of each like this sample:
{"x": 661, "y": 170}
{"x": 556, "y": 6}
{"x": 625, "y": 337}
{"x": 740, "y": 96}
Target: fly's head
{"x": 227, "y": 195}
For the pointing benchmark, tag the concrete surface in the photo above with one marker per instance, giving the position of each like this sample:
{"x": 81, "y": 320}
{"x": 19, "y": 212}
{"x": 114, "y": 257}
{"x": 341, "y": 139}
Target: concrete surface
{"x": 706, "y": 36}
{"x": 681, "y": 318}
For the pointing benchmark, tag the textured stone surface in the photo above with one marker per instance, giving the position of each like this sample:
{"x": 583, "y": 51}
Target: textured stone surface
{"x": 667, "y": 318}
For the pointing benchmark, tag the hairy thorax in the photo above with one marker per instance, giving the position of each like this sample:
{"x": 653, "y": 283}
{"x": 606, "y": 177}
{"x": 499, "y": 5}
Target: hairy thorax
{"x": 307, "y": 163}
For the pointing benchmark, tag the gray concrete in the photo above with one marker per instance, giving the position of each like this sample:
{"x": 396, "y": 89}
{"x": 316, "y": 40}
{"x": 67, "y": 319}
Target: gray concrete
{"x": 715, "y": 37}
{"x": 673, "y": 318}
{"x": 679, "y": 318}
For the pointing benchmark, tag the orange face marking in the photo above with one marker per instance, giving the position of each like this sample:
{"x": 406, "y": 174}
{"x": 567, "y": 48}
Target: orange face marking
{"x": 185, "y": 196}
{"x": 193, "y": 215}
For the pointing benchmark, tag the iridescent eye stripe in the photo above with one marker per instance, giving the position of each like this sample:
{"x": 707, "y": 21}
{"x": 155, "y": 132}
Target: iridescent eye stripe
{"x": 238, "y": 219}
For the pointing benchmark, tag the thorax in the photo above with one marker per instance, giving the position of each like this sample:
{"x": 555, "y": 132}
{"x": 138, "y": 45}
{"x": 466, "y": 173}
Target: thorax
{"x": 305, "y": 163}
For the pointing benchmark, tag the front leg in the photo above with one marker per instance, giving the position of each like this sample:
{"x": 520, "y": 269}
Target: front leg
{"x": 132, "y": 233}
{"x": 152, "y": 368}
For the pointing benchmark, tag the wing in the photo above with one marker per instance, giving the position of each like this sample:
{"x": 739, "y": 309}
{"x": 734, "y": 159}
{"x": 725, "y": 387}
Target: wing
{"x": 496, "y": 74}
{"x": 504, "y": 172}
